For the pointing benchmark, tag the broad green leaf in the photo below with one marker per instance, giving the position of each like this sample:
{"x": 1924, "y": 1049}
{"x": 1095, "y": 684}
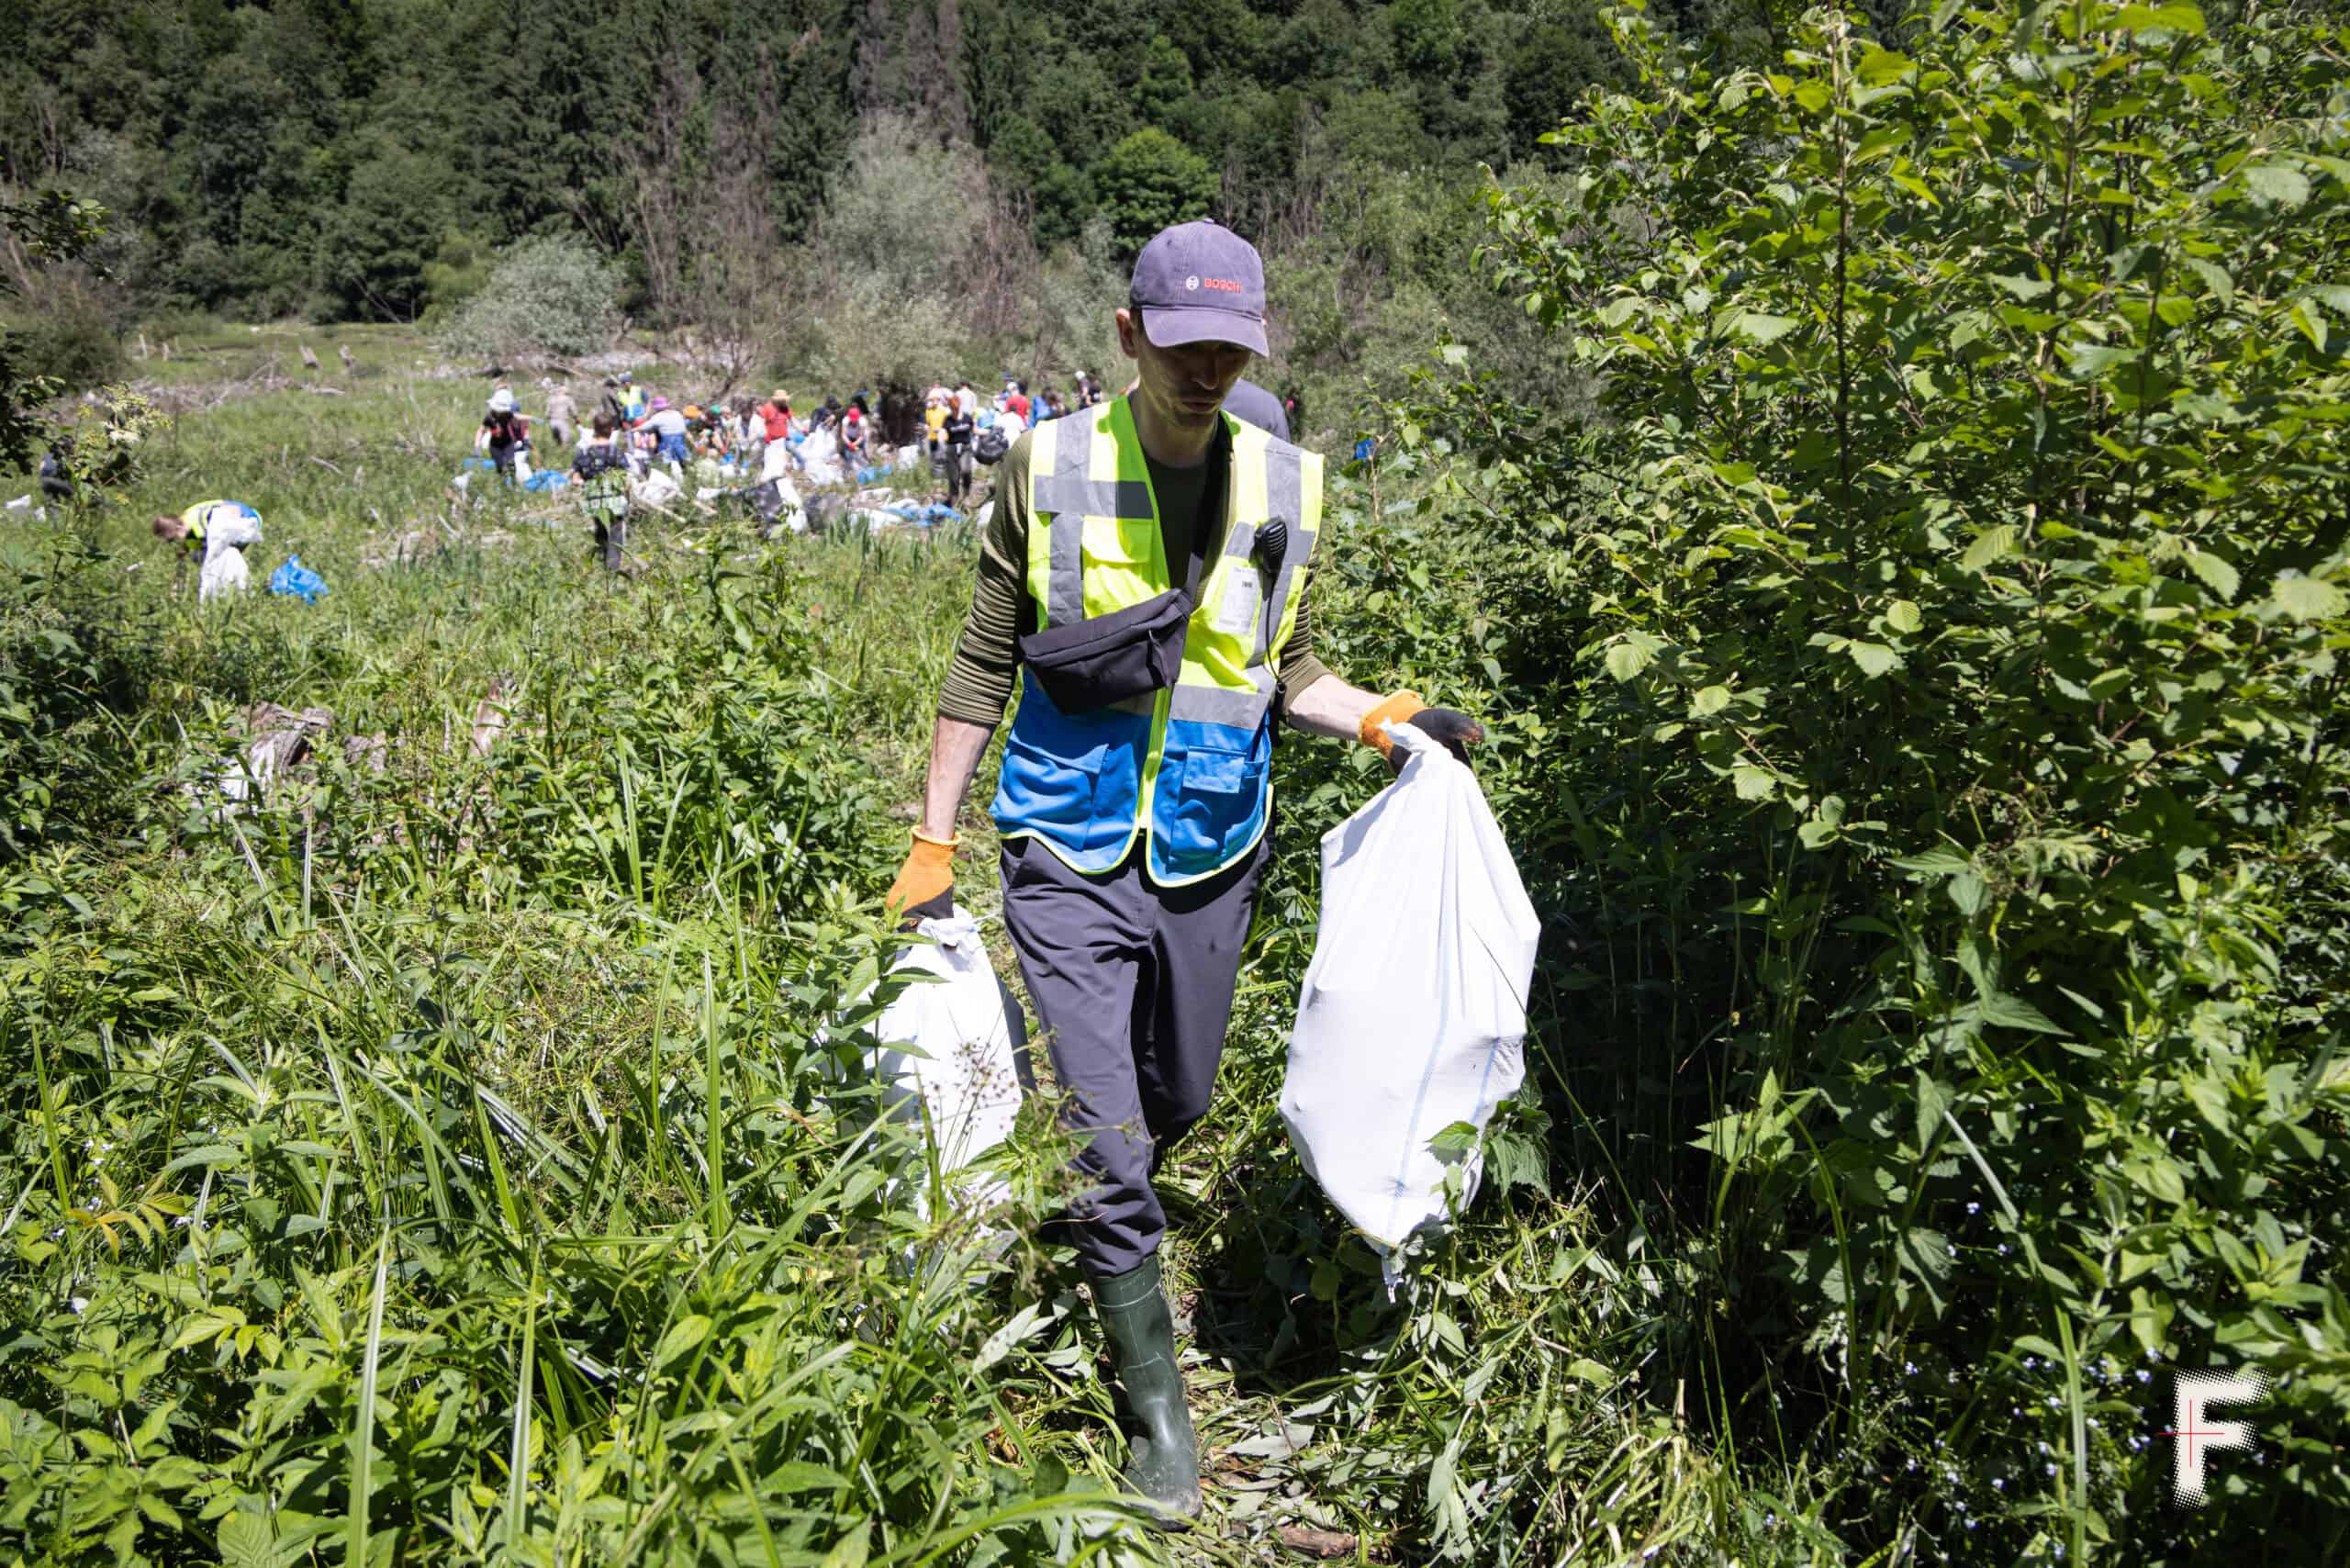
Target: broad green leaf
{"x": 1627, "y": 659}
{"x": 2311, "y": 323}
{"x": 1990, "y": 546}
{"x": 684, "y": 1336}
{"x": 2217, "y": 278}
{"x": 2209, "y": 1098}
{"x": 852, "y": 1550}
{"x": 1761, "y": 328}
{"x": 2277, "y": 183}
{"x": 1875, "y": 658}
{"x": 1024, "y": 1324}
{"x": 2218, "y": 575}
{"x": 1753, "y": 783}
{"x": 797, "y": 1475}
{"x": 247, "y": 1540}
{"x": 2094, "y": 359}
{"x": 1903, "y": 616}
{"x": 2308, "y": 599}
{"x": 1708, "y": 700}
{"x": 2183, "y": 19}
{"x": 2004, "y": 1010}
{"x": 1941, "y": 862}
{"x": 1933, "y": 1098}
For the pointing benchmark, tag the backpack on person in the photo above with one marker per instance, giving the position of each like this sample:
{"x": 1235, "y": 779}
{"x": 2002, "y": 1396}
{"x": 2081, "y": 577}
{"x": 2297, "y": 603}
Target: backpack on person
{"x": 991, "y": 446}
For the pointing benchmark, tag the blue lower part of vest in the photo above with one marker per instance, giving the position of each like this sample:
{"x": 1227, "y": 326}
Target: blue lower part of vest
{"x": 1075, "y": 780}
{"x": 1214, "y": 784}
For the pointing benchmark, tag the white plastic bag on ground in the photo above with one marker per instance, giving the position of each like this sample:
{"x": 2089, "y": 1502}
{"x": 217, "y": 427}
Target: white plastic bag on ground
{"x": 963, "y": 1067}
{"x": 1413, "y": 1014}
{"x": 657, "y": 488}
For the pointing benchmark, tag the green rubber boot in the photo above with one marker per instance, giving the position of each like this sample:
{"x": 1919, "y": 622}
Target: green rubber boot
{"x": 1165, "y": 1466}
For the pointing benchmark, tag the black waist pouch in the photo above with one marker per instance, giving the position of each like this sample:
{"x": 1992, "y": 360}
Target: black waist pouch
{"x": 1092, "y": 664}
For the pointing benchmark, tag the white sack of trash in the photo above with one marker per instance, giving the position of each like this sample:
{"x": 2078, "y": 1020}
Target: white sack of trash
{"x": 227, "y": 536}
{"x": 1413, "y": 1012}
{"x": 950, "y": 1051}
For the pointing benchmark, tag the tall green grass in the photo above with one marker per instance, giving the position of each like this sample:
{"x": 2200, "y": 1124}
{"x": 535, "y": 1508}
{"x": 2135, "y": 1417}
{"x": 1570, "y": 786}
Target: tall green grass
{"x": 458, "y": 1156}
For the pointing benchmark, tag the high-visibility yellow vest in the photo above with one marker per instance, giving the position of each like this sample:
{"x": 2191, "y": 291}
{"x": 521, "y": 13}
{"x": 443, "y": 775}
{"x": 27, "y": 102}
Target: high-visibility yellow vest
{"x": 1189, "y": 767}
{"x": 194, "y": 519}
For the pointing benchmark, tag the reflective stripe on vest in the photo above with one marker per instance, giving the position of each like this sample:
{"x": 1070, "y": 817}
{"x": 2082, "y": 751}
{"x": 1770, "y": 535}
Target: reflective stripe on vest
{"x": 1189, "y": 767}
{"x": 196, "y": 517}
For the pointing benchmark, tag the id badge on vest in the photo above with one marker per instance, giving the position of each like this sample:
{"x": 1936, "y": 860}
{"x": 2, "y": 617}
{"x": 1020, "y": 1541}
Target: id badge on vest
{"x": 1235, "y": 614}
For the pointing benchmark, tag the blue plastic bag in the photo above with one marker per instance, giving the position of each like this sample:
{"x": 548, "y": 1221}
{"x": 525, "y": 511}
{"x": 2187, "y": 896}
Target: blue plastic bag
{"x": 295, "y": 578}
{"x": 546, "y": 480}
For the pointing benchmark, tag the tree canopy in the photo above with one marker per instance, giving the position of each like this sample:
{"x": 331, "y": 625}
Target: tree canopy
{"x": 347, "y": 160}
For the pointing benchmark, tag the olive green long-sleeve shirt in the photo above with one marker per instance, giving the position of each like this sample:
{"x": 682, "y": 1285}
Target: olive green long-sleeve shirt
{"x": 987, "y": 661}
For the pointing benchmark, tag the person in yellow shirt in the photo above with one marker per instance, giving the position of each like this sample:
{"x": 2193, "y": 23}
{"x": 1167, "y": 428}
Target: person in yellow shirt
{"x": 934, "y": 438}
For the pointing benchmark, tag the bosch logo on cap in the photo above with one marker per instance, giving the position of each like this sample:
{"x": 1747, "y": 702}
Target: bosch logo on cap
{"x": 1193, "y": 283}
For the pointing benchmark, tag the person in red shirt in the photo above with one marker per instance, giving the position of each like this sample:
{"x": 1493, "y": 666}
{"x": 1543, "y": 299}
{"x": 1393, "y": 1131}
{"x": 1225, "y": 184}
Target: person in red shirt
{"x": 775, "y": 415}
{"x": 1017, "y": 401}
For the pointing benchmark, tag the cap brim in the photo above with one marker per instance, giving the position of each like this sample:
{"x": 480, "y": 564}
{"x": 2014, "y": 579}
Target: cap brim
{"x": 1173, "y": 325}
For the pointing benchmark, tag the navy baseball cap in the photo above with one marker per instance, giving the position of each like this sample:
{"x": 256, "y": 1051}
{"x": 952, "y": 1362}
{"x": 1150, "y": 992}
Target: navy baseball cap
{"x": 1201, "y": 283}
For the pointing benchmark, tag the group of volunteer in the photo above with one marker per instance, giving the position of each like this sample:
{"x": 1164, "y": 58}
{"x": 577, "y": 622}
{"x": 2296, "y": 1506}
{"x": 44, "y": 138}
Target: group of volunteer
{"x": 633, "y": 432}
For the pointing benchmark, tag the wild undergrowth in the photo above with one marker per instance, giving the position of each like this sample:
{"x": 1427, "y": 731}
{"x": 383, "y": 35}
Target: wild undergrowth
{"x": 443, "y": 1151}
{"x": 1935, "y": 638}
{"x": 1913, "y": 699}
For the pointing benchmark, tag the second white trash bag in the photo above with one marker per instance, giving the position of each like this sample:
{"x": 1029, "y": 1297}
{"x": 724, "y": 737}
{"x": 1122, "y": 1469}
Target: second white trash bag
{"x": 1413, "y": 1014}
{"x": 964, "y": 1069}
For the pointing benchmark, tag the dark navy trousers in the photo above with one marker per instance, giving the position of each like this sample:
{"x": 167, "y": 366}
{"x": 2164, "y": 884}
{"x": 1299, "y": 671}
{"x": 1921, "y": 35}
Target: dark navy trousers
{"x": 1133, "y": 985}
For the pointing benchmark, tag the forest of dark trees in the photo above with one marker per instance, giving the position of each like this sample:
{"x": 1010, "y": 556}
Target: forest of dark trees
{"x": 362, "y": 159}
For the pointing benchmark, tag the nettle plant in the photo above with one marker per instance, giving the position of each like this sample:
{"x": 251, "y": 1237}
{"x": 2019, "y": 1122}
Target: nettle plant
{"x": 1957, "y": 561}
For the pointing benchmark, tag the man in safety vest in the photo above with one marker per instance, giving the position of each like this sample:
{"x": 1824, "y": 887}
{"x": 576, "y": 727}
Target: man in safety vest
{"x": 215, "y": 535}
{"x": 1144, "y": 575}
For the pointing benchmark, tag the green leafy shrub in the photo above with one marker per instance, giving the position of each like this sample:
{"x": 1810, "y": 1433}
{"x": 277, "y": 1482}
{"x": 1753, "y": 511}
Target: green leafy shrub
{"x": 1939, "y": 631}
{"x": 553, "y": 294}
{"x": 1147, "y": 181}
{"x": 66, "y": 330}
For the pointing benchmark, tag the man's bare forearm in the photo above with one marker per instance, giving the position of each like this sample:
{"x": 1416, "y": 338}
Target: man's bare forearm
{"x": 1330, "y": 706}
{"x": 956, "y": 748}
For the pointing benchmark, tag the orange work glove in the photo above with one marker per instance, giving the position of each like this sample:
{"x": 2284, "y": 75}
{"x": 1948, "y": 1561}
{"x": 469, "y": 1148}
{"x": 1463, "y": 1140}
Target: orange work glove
{"x": 926, "y": 886}
{"x": 1454, "y": 730}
